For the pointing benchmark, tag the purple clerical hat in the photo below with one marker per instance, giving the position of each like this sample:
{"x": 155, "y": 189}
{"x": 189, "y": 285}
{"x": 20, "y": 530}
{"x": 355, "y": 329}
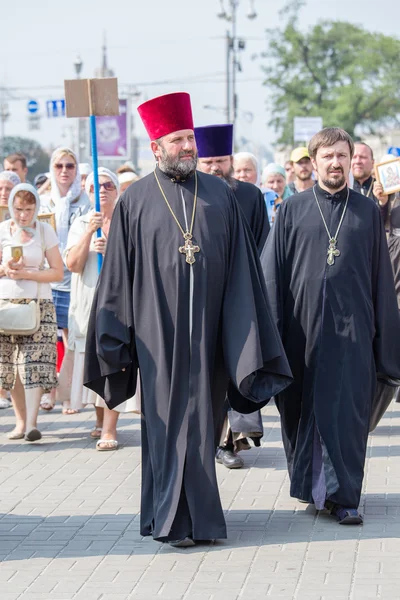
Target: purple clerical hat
{"x": 214, "y": 140}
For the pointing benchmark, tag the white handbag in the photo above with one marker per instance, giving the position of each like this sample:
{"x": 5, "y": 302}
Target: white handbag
{"x": 22, "y": 319}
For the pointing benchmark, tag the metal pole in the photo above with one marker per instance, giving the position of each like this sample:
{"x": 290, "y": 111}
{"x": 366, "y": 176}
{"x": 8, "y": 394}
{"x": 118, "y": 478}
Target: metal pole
{"x": 234, "y": 4}
{"x": 228, "y": 77}
{"x": 93, "y": 139}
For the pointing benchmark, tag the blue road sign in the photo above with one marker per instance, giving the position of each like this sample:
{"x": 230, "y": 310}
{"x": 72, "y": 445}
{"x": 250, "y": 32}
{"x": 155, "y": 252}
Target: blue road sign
{"x": 55, "y": 108}
{"x": 33, "y": 107}
{"x": 394, "y": 150}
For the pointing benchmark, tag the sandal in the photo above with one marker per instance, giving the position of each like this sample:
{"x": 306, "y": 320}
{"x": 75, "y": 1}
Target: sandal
{"x": 96, "y": 432}
{"x": 67, "y": 410}
{"x": 46, "y": 402}
{"x": 108, "y": 445}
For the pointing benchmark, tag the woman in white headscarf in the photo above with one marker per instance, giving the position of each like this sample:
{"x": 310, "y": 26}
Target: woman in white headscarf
{"x": 8, "y": 180}
{"x": 67, "y": 201}
{"x": 28, "y": 362}
{"x": 81, "y": 258}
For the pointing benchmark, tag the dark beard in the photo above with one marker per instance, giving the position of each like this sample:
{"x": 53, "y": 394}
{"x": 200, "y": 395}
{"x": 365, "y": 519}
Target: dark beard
{"x": 334, "y": 184}
{"x": 176, "y": 168}
{"x": 231, "y": 181}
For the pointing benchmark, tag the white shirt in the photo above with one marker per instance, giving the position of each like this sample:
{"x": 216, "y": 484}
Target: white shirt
{"x": 33, "y": 255}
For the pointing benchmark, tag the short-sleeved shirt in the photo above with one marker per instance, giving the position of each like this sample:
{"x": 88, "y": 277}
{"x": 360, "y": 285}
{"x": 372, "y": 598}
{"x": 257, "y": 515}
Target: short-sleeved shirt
{"x": 33, "y": 256}
{"x": 77, "y": 208}
{"x": 83, "y": 286}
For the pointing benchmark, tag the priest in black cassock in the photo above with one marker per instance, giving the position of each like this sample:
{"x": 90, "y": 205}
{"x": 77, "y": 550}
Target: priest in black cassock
{"x": 215, "y": 148}
{"x": 330, "y": 284}
{"x": 181, "y": 297}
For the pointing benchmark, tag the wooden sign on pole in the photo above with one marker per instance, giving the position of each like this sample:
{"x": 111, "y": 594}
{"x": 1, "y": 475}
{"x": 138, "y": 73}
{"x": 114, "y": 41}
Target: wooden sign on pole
{"x": 87, "y": 97}
{"x": 91, "y": 98}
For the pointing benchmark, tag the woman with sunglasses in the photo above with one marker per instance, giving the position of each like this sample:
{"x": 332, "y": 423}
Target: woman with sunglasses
{"x": 81, "y": 258}
{"x": 67, "y": 201}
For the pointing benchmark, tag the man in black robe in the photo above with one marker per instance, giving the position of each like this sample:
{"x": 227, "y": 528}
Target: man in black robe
{"x": 362, "y": 168}
{"x": 214, "y": 146}
{"x": 181, "y": 297}
{"x": 335, "y": 306}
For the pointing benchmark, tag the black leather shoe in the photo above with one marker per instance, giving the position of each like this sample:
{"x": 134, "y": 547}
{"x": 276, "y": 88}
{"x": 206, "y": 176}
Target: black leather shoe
{"x": 229, "y": 459}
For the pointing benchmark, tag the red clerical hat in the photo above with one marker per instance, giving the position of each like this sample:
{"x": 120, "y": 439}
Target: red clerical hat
{"x": 166, "y": 114}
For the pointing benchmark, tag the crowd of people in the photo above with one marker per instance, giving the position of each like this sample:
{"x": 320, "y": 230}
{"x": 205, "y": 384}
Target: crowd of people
{"x": 222, "y": 286}
{"x": 68, "y": 247}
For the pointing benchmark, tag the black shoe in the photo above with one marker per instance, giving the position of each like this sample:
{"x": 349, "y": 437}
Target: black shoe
{"x": 186, "y": 542}
{"x": 33, "y": 435}
{"x": 229, "y": 459}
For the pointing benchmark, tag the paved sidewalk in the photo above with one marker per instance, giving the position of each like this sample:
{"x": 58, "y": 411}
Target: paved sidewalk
{"x": 69, "y": 525}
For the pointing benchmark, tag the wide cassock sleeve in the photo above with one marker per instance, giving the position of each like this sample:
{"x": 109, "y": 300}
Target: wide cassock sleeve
{"x": 387, "y": 317}
{"x": 110, "y": 359}
{"x": 253, "y": 351}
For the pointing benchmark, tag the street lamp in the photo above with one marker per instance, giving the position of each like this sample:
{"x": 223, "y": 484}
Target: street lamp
{"x": 78, "y": 64}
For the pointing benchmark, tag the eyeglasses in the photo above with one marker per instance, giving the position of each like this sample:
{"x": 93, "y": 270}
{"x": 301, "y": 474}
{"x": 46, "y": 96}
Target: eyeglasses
{"x": 68, "y": 166}
{"x": 107, "y": 185}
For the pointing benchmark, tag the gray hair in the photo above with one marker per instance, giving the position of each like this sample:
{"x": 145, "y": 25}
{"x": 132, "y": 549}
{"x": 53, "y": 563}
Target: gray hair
{"x": 247, "y": 156}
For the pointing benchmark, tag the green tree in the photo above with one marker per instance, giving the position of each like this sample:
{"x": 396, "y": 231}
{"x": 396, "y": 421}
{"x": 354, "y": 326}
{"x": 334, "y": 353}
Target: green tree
{"x": 37, "y": 159}
{"x": 336, "y": 70}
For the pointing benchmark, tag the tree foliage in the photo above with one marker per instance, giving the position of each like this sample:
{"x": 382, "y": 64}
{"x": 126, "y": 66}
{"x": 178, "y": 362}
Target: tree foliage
{"x": 37, "y": 159}
{"x": 336, "y": 70}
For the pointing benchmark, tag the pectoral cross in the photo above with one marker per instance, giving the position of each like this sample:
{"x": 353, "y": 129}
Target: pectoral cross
{"x": 332, "y": 252}
{"x": 189, "y": 249}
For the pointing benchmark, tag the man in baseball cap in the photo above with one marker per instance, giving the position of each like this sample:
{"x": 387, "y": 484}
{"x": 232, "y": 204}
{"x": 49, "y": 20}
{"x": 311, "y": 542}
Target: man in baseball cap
{"x": 302, "y": 169}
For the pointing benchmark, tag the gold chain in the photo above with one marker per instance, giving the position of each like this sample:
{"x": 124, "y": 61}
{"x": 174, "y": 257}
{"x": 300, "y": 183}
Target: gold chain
{"x": 172, "y": 212}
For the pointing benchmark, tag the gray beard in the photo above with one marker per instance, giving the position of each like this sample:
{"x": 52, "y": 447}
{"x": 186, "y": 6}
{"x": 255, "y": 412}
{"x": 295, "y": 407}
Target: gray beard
{"x": 176, "y": 168}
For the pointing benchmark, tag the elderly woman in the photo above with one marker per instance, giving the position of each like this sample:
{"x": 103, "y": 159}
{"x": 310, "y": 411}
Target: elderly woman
{"x": 81, "y": 258}
{"x": 245, "y": 167}
{"x": 67, "y": 201}
{"x": 8, "y": 180}
{"x": 28, "y": 362}
{"x": 274, "y": 178}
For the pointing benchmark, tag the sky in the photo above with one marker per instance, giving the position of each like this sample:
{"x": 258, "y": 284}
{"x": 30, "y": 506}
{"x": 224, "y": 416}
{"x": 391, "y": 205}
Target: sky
{"x": 155, "y": 47}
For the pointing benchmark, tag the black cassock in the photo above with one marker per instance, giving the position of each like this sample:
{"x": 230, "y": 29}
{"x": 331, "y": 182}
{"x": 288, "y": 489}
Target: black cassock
{"x": 252, "y": 203}
{"x": 340, "y": 328}
{"x": 188, "y": 329}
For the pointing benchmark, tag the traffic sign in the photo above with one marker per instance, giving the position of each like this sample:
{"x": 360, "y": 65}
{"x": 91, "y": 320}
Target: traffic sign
{"x": 394, "y": 150}
{"x": 55, "y": 108}
{"x": 33, "y": 122}
{"x": 33, "y": 107}
{"x": 306, "y": 127}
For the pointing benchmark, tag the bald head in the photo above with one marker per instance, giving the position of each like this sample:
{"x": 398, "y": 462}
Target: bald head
{"x": 362, "y": 164}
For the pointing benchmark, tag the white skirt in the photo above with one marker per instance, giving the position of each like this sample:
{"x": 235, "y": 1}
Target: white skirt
{"x": 81, "y": 395}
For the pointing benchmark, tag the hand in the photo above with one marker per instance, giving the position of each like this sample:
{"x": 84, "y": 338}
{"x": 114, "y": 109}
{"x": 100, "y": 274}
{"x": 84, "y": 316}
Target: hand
{"x": 379, "y": 193}
{"x": 99, "y": 245}
{"x": 95, "y": 222}
{"x": 11, "y": 267}
{"x": 16, "y": 274}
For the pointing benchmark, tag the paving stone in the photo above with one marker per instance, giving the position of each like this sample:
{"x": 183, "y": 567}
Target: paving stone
{"x": 69, "y": 527}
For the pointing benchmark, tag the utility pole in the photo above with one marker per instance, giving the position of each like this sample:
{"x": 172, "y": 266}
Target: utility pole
{"x": 233, "y": 47}
{"x": 4, "y": 114}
